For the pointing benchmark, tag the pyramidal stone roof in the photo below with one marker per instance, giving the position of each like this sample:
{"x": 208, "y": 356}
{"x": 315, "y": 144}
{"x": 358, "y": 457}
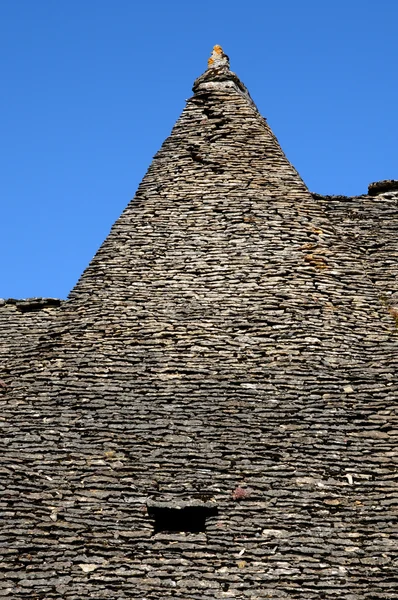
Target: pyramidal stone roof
{"x": 212, "y": 412}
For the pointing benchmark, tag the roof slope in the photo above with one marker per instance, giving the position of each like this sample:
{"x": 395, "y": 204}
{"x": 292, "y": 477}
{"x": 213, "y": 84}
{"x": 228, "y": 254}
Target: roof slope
{"x": 22, "y": 322}
{"x": 370, "y": 224}
{"x": 225, "y": 346}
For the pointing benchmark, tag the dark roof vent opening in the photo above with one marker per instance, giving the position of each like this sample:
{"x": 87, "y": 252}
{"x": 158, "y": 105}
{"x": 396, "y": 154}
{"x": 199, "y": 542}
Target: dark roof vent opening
{"x": 190, "y": 519}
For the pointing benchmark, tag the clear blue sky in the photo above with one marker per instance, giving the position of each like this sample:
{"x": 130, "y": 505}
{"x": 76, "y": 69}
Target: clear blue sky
{"x": 91, "y": 88}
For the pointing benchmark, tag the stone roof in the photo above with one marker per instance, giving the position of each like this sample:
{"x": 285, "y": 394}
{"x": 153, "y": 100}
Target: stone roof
{"x": 212, "y": 413}
{"x": 22, "y": 322}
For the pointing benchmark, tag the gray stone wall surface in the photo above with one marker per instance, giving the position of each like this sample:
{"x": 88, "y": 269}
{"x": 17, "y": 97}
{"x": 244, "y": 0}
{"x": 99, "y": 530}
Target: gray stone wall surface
{"x": 227, "y": 347}
{"x": 22, "y": 322}
{"x": 370, "y": 224}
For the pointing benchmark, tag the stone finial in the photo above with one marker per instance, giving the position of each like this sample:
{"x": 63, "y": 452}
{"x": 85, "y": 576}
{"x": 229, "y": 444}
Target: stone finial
{"x": 219, "y": 74}
{"x": 218, "y": 59}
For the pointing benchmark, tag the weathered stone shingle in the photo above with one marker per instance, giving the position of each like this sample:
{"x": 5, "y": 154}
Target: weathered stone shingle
{"x": 231, "y": 345}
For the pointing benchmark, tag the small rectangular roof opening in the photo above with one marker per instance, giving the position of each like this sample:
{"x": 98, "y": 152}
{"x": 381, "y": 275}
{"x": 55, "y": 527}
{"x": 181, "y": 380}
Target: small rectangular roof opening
{"x": 184, "y": 518}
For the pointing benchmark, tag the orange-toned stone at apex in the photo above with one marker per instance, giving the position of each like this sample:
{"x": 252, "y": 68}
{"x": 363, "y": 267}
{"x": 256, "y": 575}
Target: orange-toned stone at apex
{"x": 218, "y": 58}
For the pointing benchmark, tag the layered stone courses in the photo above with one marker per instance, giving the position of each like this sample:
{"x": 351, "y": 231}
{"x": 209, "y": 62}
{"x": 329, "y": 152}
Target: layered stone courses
{"x": 232, "y": 343}
{"x": 23, "y": 322}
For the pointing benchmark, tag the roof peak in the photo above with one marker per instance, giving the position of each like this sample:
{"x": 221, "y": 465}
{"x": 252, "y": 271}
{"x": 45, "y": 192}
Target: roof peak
{"x": 218, "y": 59}
{"x": 218, "y": 74}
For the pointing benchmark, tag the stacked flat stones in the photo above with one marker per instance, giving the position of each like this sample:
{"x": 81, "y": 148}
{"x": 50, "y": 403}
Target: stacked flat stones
{"x": 227, "y": 345}
{"x": 22, "y": 323}
{"x": 369, "y": 223}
